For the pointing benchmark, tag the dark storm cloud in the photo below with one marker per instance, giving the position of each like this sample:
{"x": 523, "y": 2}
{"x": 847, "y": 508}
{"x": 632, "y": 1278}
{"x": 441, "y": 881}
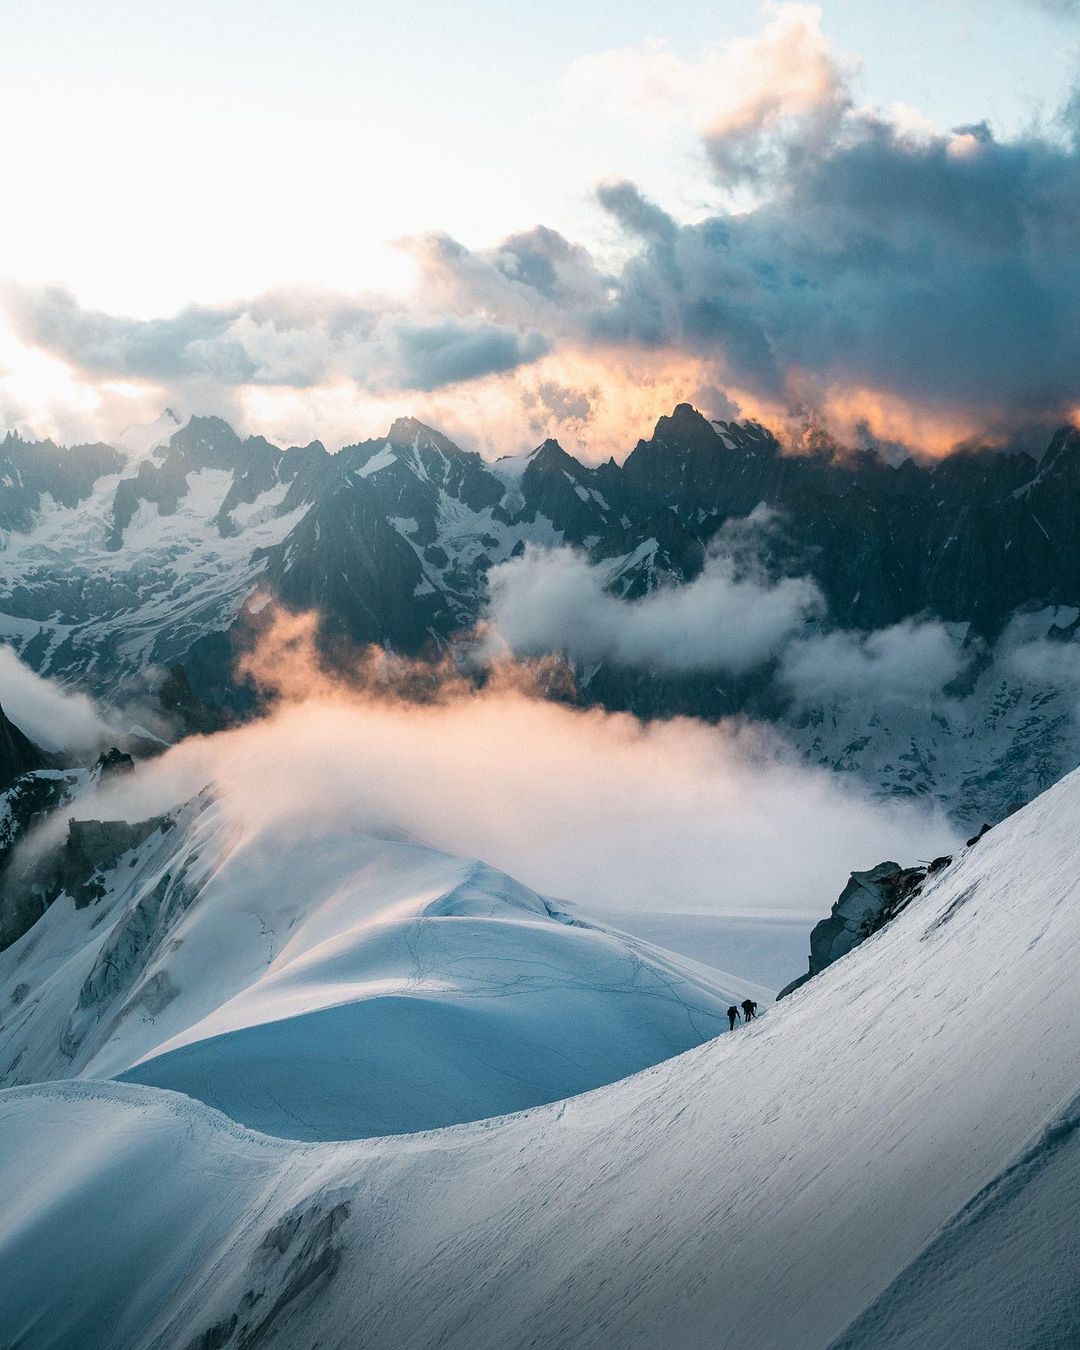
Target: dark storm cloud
{"x": 636, "y": 214}
{"x": 290, "y": 338}
{"x": 434, "y": 355}
{"x": 942, "y": 270}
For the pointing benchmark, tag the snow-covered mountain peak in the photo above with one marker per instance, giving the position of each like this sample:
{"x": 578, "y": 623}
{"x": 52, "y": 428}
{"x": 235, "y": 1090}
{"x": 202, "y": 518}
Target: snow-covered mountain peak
{"x": 140, "y": 439}
{"x": 241, "y": 969}
{"x": 511, "y": 467}
{"x": 891, "y": 1157}
{"x": 109, "y": 566}
{"x": 411, "y": 431}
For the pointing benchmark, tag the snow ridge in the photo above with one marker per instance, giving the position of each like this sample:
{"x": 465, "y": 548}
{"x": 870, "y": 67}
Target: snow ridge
{"x": 764, "y": 1190}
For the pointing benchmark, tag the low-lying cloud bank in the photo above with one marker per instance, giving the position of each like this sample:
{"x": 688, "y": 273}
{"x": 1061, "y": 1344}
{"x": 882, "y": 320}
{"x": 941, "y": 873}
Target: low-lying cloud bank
{"x": 554, "y": 600}
{"x": 602, "y": 810}
{"x": 732, "y": 619}
{"x": 896, "y": 281}
{"x": 55, "y": 718}
{"x": 64, "y": 720}
{"x": 912, "y": 661}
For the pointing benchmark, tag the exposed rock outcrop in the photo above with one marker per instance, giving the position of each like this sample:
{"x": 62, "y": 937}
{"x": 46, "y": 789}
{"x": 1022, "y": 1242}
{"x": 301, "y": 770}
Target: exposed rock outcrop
{"x": 18, "y": 753}
{"x": 75, "y": 868}
{"x": 114, "y": 763}
{"x": 866, "y": 904}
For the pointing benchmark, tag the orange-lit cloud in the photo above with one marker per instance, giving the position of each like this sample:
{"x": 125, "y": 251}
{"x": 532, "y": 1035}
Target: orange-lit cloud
{"x": 850, "y": 413}
{"x": 606, "y": 400}
{"x": 597, "y": 808}
{"x": 862, "y": 274}
{"x": 747, "y": 85}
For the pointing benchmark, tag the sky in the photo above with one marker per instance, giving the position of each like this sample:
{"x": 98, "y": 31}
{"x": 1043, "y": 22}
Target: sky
{"x": 295, "y": 216}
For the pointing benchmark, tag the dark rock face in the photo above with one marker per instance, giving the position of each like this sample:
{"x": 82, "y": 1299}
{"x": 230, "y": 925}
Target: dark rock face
{"x": 392, "y": 541}
{"x": 75, "y": 868}
{"x": 296, "y": 1260}
{"x": 971, "y": 538}
{"x": 348, "y": 562}
{"x": 398, "y": 533}
{"x": 114, "y": 763}
{"x": 188, "y": 714}
{"x": 18, "y": 753}
{"x": 30, "y": 469}
{"x": 866, "y": 904}
{"x": 93, "y": 847}
{"x": 964, "y": 539}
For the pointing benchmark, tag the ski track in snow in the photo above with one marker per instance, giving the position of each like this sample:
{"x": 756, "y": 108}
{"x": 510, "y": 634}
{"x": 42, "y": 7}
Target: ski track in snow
{"x": 882, "y": 1151}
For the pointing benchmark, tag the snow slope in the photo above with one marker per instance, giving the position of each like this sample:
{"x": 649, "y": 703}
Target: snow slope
{"x": 337, "y": 985}
{"x": 765, "y": 1189}
{"x": 1003, "y": 1272}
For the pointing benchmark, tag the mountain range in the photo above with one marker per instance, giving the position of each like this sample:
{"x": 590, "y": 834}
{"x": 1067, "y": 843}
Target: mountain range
{"x": 323, "y": 1082}
{"x": 120, "y": 562}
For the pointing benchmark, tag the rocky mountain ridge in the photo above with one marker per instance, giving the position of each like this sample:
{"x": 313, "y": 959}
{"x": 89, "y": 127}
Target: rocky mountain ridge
{"x": 118, "y": 562}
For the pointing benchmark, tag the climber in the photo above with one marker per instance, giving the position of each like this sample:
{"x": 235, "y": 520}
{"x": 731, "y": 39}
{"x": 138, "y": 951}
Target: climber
{"x": 749, "y": 1008}
{"x": 733, "y": 1017}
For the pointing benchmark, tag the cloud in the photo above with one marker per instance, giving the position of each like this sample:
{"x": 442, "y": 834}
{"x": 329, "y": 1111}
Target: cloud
{"x": 789, "y": 95}
{"x": 1038, "y": 650}
{"x": 731, "y": 618}
{"x": 562, "y": 405}
{"x": 55, "y": 718}
{"x": 912, "y": 662}
{"x": 726, "y": 619}
{"x": 647, "y": 87}
{"x": 883, "y": 276}
{"x": 1044, "y": 664}
{"x": 1061, "y": 9}
{"x": 433, "y": 355}
{"x": 287, "y": 338}
{"x": 730, "y": 92}
{"x": 859, "y": 269}
{"x": 880, "y": 263}
{"x": 603, "y": 810}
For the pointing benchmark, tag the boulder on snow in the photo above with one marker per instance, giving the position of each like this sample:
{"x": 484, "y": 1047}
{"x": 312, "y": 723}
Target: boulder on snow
{"x": 867, "y": 903}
